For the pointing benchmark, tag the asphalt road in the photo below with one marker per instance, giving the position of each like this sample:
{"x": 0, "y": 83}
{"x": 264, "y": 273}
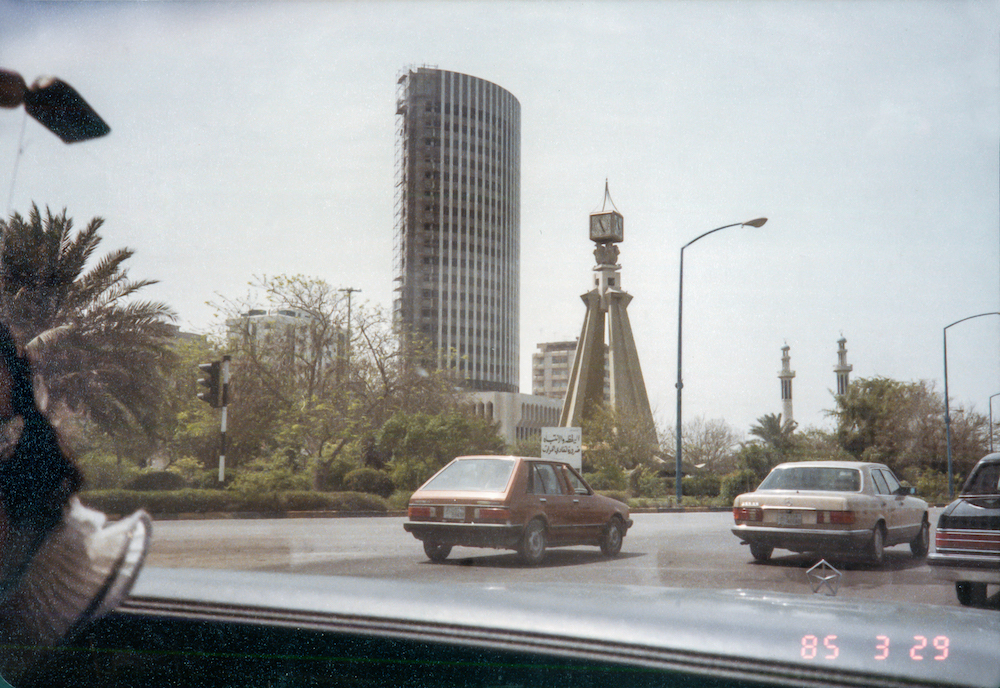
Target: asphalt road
{"x": 688, "y": 550}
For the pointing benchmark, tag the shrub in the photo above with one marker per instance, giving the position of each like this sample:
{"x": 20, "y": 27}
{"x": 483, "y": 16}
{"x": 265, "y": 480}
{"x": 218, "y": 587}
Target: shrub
{"x": 643, "y": 482}
{"x": 104, "y": 471}
{"x": 736, "y": 483}
{"x": 701, "y": 485}
{"x": 930, "y": 484}
{"x": 156, "y": 480}
{"x": 330, "y": 477}
{"x": 619, "y": 495}
{"x": 189, "y": 500}
{"x": 190, "y": 469}
{"x": 369, "y": 481}
{"x": 158, "y": 502}
{"x": 273, "y": 474}
{"x": 608, "y": 477}
{"x": 356, "y": 501}
{"x": 399, "y": 500}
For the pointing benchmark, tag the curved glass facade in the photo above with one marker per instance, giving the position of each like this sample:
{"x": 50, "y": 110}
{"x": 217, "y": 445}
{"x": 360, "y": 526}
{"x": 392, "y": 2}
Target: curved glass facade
{"x": 457, "y": 242}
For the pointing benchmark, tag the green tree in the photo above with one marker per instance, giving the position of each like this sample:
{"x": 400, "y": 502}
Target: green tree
{"x": 617, "y": 440}
{"x": 422, "y": 443}
{"x": 319, "y": 386}
{"x": 902, "y": 424}
{"x": 96, "y": 349}
{"x": 188, "y": 427}
{"x": 531, "y": 446}
{"x": 780, "y": 436}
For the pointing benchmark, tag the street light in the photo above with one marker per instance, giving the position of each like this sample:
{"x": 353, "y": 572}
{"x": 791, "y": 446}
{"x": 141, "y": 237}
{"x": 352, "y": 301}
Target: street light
{"x": 759, "y": 222}
{"x": 947, "y": 409}
{"x": 991, "y": 420}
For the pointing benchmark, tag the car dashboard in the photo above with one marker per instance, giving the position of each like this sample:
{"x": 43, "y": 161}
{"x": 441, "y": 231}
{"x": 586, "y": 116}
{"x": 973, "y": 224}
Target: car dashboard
{"x": 220, "y": 628}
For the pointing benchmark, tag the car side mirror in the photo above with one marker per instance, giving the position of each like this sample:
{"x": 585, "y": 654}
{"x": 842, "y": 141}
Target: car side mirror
{"x": 906, "y": 490}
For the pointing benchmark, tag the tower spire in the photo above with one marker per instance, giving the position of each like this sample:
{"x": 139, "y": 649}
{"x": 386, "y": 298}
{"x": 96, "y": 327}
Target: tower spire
{"x": 786, "y": 376}
{"x": 843, "y": 368}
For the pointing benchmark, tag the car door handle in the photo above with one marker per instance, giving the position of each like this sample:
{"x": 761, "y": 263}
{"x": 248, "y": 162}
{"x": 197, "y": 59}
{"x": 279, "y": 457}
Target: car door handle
{"x": 576, "y": 501}
{"x": 542, "y": 499}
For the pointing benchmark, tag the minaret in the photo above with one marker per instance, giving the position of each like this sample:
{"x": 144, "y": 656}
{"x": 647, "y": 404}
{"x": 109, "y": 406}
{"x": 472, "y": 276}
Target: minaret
{"x": 843, "y": 369}
{"x": 606, "y": 311}
{"x": 786, "y": 376}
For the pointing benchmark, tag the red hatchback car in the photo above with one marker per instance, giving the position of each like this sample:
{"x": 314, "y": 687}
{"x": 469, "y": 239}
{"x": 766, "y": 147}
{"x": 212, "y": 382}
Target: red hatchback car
{"x": 511, "y": 502}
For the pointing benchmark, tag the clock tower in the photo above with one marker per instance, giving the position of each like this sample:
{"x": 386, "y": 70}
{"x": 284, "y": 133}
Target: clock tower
{"x": 614, "y": 356}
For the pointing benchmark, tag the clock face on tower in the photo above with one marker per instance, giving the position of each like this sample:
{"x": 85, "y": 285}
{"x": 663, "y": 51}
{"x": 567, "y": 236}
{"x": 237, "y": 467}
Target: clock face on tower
{"x": 607, "y": 227}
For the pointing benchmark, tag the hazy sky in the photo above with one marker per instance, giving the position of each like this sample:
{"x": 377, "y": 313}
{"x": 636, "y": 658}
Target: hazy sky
{"x": 258, "y": 138}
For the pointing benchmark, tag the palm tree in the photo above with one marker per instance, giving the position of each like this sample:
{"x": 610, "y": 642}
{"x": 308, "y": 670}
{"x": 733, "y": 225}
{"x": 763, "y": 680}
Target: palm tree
{"x": 94, "y": 349}
{"x": 773, "y": 432}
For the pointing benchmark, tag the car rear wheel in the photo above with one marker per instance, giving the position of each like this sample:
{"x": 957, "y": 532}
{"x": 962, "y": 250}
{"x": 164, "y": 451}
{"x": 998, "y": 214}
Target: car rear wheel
{"x": 971, "y": 594}
{"x": 922, "y": 543}
{"x": 876, "y": 546}
{"x": 436, "y": 551}
{"x": 532, "y": 548}
{"x": 611, "y": 538}
{"x": 761, "y": 552}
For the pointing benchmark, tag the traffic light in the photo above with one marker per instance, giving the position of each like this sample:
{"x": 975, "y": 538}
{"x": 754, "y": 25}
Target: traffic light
{"x": 213, "y": 381}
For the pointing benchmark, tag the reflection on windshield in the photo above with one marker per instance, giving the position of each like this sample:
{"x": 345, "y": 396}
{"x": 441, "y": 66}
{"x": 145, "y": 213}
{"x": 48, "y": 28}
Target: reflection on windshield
{"x": 813, "y": 478}
{"x": 985, "y": 481}
{"x": 476, "y": 475}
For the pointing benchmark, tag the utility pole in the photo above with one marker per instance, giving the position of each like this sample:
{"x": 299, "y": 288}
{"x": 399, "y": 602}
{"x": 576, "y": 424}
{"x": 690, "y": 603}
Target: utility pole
{"x": 347, "y": 344}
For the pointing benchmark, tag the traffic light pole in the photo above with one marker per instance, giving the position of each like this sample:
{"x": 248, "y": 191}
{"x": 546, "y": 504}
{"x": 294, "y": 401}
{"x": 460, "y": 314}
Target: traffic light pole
{"x": 225, "y": 418}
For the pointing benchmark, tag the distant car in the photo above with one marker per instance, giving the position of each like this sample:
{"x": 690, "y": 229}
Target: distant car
{"x": 510, "y": 502}
{"x": 836, "y": 507}
{"x": 967, "y": 540}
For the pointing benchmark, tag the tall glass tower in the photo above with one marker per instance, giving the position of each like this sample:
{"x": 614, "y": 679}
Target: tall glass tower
{"x": 457, "y": 234}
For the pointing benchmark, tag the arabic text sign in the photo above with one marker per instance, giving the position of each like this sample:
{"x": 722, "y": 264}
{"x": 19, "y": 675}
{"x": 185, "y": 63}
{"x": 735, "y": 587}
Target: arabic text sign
{"x": 563, "y": 444}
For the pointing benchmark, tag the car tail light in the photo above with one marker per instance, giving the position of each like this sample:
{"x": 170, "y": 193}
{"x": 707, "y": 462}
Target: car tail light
{"x": 844, "y": 518}
{"x": 493, "y": 514}
{"x": 741, "y": 513}
{"x": 420, "y": 513}
{"x": 972, "y": 541}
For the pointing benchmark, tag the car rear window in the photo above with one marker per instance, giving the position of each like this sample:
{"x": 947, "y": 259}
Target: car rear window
{"x": 473, "y": 475}
{"x": 827, "y": 479}
{"x": 985, "y": 481}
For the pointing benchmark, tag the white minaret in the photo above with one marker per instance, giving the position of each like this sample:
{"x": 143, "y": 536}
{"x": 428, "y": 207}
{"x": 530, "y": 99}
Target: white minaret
{"x": 786, "y": 376}
{"x": 843, "y": 369}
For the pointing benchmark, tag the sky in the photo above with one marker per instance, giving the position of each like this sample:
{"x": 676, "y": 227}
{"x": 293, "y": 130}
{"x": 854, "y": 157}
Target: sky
{"x": 258, "y": 138}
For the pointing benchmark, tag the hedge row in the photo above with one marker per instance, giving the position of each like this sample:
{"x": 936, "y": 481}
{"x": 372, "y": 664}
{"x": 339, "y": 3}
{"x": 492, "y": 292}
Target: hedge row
{"x": 192, "y": 500}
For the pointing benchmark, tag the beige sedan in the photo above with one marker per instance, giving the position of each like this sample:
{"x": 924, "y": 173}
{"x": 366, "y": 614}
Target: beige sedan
{"x": 838, "y": 507}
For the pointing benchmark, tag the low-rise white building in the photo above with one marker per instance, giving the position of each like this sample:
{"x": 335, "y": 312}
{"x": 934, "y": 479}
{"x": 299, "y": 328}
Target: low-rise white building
{"x": 519, "y": 416}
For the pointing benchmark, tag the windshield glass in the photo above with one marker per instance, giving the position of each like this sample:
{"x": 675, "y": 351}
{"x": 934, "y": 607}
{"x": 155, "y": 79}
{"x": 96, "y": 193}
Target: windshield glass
{"x": 269, "y": 266}
{"x": 985, "y": 481}
{"x": 473, "y": 475}
{"x": 813, "y": 478}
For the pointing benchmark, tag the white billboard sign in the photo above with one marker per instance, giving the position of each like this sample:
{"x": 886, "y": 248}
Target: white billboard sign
{"x": 563, "y": 444}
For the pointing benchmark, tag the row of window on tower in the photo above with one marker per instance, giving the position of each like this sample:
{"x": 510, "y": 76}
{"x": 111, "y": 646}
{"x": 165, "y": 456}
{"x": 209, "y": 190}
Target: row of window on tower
{"x": 491, "y": 118}
{"x": 490, "y": 163}
{"x": 449, "y": 211}
{"x": 455, "y": 296}
{"x": 481, "y": 249}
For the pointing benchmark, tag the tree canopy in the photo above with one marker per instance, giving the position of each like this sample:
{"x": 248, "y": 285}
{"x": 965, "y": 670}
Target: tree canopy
{"x": 96, "y": 349}
{"x": 902, "y": 424}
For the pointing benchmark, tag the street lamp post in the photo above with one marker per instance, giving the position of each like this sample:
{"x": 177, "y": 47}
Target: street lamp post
{"x": 346, "y": 354}
{"x": 947, "y": 408}
{"x": 759, "y": 222}
{"x": 991, "y": 420}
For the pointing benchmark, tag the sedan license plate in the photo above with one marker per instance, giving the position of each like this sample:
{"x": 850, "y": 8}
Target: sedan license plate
{"x": 454, "y": 513}
{"x": 789, "y": 518}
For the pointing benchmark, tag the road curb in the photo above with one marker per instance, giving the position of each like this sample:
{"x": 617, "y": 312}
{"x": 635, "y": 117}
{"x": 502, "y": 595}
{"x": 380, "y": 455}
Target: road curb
{"x": 277, "y": 515}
